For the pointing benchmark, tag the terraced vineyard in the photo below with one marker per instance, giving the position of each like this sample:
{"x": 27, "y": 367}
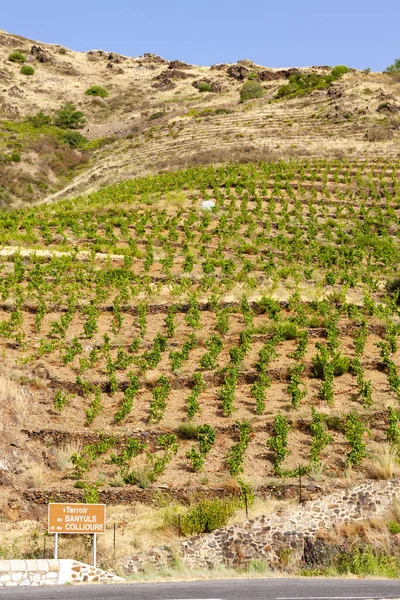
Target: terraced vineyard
{"x": 182, "y": 346}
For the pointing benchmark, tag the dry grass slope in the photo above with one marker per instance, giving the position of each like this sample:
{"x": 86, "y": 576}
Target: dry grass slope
{"x": 152, "y": 125}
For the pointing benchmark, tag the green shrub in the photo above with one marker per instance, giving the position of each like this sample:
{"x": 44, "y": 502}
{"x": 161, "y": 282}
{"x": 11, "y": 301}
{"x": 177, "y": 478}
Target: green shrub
{"x": 99, "y": 143}
{"x": 369, "y": 561}
{"x": 270, "y": 307}
{"x": 330, "y": 278}
{"x": 16, "y": 157}
{"x": 258, "y": 566}
{"x": 393, "y": 527}
{"x": 354, "y": 430}
{"x": 252, "y": 76}
{"x": 91, "y": 493}
{"x": 250, "y": 90}
{"x": 286, "y": 331}
{"x": 393, "y": 287}
{"x": 27, "y": 70}
{"x": 235, "y": 457}
{"x": 97, "y": 90}
{"x": 187, "y": 431}
{"x": 60, "y": 400}
{"x": 17, "y": 57}
{"x": 278, "y": 442}
{"x": 204, "y": 87}
{"x": 394, "y": 68}
{"x": 196, "y": 458}
{"x": 304, "y": 83}
{"x": 39, "y": 120}
{"x": 67, "y": 117}
{"x": 206, "y": 436}
{"x": 74, "y": 139}
{"x": 339, "y": 364}
{"x": 142, "y": 477}
{"x": 339, "y": 71}
{"x": 207, "y": 515}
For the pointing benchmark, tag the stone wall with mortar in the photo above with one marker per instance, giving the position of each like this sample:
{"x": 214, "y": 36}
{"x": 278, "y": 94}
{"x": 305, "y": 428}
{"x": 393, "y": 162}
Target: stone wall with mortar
{"x": 277, "y": 538}
{"x": 35, "y": 573}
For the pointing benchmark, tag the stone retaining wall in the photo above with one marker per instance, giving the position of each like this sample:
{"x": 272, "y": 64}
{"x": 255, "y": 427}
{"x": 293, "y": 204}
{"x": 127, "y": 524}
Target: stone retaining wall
{"x": 34, "y": 573}
{"x": 276, "y": 539}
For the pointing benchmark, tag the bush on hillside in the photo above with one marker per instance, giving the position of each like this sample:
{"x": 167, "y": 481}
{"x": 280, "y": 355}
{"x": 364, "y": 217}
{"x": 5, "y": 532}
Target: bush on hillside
{"x": 207, "y": 515}
{"x": 304, "y": 83}
{"x": 99, "y": 143}
{"x": 74, "y": 139}
{"x": 251, "y": 90}
{"x": 394, "y": 68}
{"x": 187, "y": 431}
{"x": 67, "y": 117}
{"x": 27, "y": 70}
{"x": 204, "y": 87}
{"x": 339, "y": 71}
{"x": 379, "y": 133}
{"x": 340, "y": 364}
{"x": 39, "y": 120}
{"x": 97, "y": 90}
{"x": 393, "y": 287}
{"x": 17, "y": 57}
{"x": 16, "y": 157}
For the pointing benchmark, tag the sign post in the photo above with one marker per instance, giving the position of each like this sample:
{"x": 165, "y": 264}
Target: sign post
{"x": 56, "y": 546}
{"x": 74, "y": 519}
{"x": 94, "y": 549}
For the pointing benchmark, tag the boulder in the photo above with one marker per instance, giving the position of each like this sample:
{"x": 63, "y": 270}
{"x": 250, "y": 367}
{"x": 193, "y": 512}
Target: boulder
{"x": 268, "y": 75}
{"x": 177, "y": 74}
{"x": 173, "y": 74}
{"x": 238, "y": 72}
{"x": 334, "y": 91}
{"x": 219, "y": 67}
{"x": 154, "y": 58}
{"x": 40, "y": 54}
{"x": 164, "y": 85}
{"x": 178, "y": 64}
{"x": 115, "y": 58}
{"x": 9, "y": 109}
{"x": 15, "y": 91}
{"x": 288, "y": 72}
{"x": 388, "y": 107}
{"x": 93, "y": 54}
{"x": 247, "y": 63}
{"x": 116, "y": 70}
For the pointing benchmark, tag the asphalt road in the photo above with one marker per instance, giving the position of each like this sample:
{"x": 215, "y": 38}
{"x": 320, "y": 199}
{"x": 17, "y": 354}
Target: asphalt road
{"x": 221, "y": 589}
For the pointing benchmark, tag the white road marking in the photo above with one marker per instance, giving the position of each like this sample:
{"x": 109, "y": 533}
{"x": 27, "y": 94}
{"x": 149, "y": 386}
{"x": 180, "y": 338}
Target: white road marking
{"x": 338, "y": 598}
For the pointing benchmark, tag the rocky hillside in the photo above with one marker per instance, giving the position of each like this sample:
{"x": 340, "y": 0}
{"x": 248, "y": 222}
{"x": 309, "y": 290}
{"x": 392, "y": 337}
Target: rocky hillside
{"x": 159, "y": 115}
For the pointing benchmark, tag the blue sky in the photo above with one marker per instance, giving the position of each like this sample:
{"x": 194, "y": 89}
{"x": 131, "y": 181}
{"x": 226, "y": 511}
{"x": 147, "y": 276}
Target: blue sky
{"x": 359, "y": 33}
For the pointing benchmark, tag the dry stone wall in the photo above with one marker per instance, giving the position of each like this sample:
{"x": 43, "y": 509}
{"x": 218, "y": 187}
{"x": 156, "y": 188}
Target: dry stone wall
{"x": 277, "y": 539}
{"x": 35, "y": 573}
